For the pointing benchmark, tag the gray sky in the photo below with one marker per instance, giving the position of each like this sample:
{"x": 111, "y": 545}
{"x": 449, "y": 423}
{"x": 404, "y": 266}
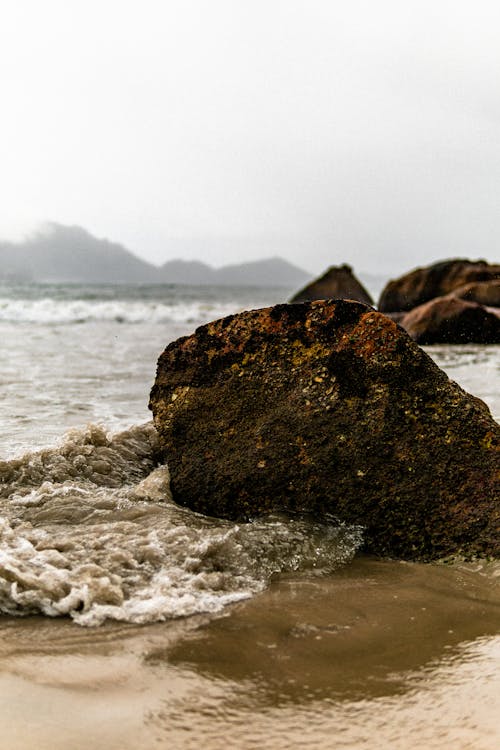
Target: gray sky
{"x": 361, "y": 131}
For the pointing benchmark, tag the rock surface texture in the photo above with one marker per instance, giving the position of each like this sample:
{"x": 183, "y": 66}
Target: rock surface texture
{"x": 483, "y": 292}
{"x": 338, "y": 282}
{"x": 449, "y": 320}
{"x": 329, "y": 408}
{"x": 437, "y": 280}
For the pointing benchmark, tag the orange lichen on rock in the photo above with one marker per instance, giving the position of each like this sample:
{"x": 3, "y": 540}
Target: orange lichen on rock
{"x": 374, "y": 334}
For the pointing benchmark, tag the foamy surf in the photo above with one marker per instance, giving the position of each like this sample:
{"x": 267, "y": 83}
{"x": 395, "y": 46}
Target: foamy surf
{"x": 89, "y": 530}
{"x": 49, "y": 311}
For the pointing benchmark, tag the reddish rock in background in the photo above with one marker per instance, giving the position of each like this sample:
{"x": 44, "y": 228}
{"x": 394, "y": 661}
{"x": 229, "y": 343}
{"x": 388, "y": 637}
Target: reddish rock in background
{"x": 338, "y": 282}
{"x": 437, "y": 280}
{"x": 329, "y": 408}
{"x": 485, "y": 293}
{"x": 449, "y": 320}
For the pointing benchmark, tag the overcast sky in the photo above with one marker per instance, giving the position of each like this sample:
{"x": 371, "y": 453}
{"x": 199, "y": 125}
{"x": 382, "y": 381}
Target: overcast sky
{"x": 325, "y": 131}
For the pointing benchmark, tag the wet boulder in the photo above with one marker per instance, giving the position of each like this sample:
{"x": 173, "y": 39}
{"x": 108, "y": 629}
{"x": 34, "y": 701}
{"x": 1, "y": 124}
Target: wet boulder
{"x": 449, "y": 320}
{"x": 330, "y": 409}
{"x": 338, "y": 282}
{"x": 437, "y": 280}
{"x": 483, "y": 292}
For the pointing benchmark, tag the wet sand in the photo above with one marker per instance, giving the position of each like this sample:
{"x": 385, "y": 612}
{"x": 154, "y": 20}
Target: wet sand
{"x": 380, "y": 654}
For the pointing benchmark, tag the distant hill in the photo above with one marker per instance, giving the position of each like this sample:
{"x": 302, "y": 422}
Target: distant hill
{"x": 70, "y": 254}
{"x": 269, "y": 272}
{"x": 186, "y": 272}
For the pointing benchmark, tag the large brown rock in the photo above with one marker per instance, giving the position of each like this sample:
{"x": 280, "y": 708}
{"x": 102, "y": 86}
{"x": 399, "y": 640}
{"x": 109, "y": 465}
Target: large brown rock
{"x": 329, "y": 408}
{"x": 449, "y": 320}
{"x": 437, "y": 280}
{"x": 338, "y": 282}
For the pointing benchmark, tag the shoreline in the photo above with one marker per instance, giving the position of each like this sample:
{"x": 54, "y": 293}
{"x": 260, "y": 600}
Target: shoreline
{"x": 381, "y": 652}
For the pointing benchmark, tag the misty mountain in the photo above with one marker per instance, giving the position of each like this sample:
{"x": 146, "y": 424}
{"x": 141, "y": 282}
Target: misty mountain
{"x": 70, "y": 254}
{"x": 186, "y": 272}
{"x": 269, "y": 272}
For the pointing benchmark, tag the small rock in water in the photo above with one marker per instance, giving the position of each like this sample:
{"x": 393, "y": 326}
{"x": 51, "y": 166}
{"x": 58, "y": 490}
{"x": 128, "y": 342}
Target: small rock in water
{"x": 337, "y": 282}
{"x": 329, "y": 408}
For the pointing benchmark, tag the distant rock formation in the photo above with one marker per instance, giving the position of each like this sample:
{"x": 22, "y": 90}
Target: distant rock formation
{"x": 451, "y": 302}
{"x": 437, "y": 280}
{"x": 338, "y": 282}
{"x": 329, "y": 408}
{"x": 449, "y": 320}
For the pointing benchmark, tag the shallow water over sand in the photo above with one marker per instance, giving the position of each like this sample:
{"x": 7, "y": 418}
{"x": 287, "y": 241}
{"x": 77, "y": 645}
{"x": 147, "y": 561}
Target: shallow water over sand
{"x": 384, "y": 654}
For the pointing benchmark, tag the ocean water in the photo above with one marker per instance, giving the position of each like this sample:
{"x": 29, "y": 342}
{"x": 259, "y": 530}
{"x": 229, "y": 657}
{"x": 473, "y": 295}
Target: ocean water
{"x": 195, "y": 629}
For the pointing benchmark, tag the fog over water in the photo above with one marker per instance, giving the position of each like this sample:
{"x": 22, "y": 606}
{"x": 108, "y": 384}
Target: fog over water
{"x": 320, "y": 131}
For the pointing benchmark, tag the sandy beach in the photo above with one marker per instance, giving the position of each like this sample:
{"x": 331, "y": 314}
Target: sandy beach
{"x": 382, "y": 654}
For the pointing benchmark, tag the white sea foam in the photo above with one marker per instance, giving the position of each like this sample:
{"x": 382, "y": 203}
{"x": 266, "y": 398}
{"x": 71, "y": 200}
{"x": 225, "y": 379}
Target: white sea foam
{"x": 89, "y": 530}
{"x": 56, "y": 311}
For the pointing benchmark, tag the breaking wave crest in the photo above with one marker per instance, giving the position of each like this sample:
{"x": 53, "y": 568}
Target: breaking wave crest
{"x": 55, "y": 311}
{"x": 89, "y": 530}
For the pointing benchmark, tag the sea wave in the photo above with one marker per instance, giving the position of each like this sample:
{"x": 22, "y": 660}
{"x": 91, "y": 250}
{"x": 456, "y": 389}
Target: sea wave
{"x": 56, "y": 311}
{"x": 89, "y": 530}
